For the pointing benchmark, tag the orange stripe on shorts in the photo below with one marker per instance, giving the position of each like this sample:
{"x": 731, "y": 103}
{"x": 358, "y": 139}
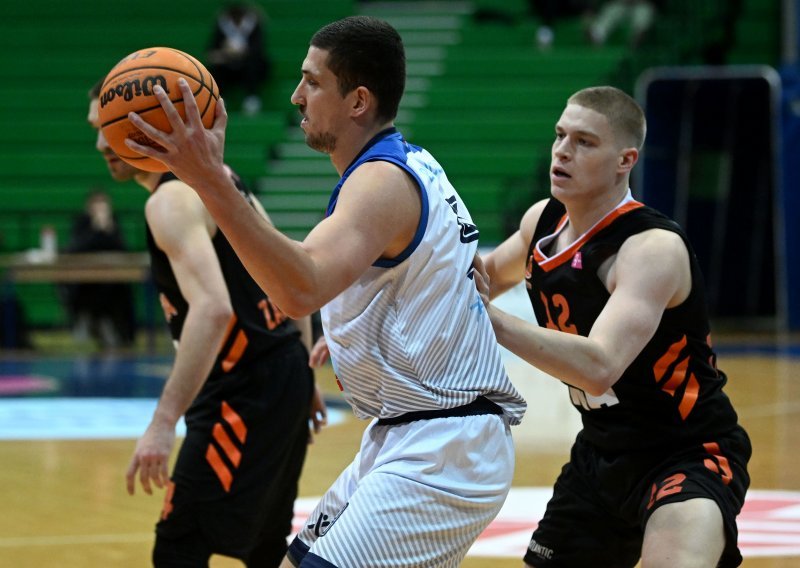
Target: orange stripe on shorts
{"x": 227, "y": 445}
{"x": 235, "y": 421}
{"x": 223, "y": 473}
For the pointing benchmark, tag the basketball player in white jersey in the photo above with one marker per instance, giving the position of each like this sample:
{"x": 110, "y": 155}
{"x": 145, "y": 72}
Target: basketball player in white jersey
{"x": 390, "y": 267}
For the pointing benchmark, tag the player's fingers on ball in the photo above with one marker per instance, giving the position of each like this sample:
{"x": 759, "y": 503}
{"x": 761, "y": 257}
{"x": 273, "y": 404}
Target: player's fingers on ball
{"x": 189, "y": 105}
{"x": 221, "y": 116}
{"x": 147, "y": 128}
{"x": 172, "y": 113}
{"x": 136, "y": 147}
{"x": 144, "y": 150}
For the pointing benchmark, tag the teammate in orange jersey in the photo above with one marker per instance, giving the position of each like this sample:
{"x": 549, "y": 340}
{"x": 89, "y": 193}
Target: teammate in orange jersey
{"x": 241, "y": 378}
{"x": 659, "y": 467}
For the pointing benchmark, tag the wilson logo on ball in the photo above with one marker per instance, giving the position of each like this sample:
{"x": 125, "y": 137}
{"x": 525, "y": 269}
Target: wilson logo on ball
{"x": 134, "y": 88}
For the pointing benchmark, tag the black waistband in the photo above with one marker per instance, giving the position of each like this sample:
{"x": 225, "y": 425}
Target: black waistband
{"x": 480, "y": 405}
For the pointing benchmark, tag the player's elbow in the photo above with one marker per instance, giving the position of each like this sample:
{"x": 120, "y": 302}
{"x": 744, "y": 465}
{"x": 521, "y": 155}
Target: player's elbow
{"x": 296, "y": 312}
{"x": 597, "y": 388}
{"x": 303, "y": 298}
{"x": 297, "y": 306}
{"x": 218, "y": 313}
{"x": 600, "y": 379}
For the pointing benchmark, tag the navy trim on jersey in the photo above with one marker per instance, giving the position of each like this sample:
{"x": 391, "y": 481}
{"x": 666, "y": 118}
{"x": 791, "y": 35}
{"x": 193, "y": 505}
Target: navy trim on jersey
{"x": 423, "y": 223}
{"x": 393, "y": 156}
{"x": 314, "y": 561}
{"x": 297, "y": 551}
{"x": 349, "y": 169}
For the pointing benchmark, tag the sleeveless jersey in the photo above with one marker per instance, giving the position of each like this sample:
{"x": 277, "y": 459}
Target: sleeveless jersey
{"x": 255, "y": 327}
{"x": 672, "y": 392}
{"x": 411, "y": 333}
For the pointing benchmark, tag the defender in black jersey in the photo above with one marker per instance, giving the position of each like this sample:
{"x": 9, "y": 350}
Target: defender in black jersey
{"x": 241, "y": 379}
{"x": 658, "y": 470}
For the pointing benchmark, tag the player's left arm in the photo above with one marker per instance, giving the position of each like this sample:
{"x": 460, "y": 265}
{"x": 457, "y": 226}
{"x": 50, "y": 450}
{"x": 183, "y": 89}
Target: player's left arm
{"x": 650, "y": 273}
{"x": 181, "y": 226}
{"x": 183, "y": 230}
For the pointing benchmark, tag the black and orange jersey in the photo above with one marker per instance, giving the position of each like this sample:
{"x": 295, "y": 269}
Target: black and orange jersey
{"x": 256, "y": 325}
{"x": 672, "y": 393}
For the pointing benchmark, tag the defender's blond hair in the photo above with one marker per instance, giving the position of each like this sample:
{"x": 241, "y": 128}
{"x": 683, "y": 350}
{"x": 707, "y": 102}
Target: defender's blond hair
{"x": 624, "y": 114}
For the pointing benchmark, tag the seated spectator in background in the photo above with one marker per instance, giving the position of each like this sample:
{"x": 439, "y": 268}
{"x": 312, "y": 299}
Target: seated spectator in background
{"x": 237, "y": 55}
{"x": 638, "y": 14}
{"x": 103, "y": 311}
{"x": 548, "y": 11}
{"x": 14, "y": 332}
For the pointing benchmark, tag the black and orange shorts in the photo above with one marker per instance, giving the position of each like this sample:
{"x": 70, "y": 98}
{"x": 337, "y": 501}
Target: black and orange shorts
{"x": 601, "y": 501}
{"x": 235, "y": 479}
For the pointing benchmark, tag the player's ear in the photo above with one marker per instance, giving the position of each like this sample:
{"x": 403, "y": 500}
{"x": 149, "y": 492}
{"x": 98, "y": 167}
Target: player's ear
{"x": 627, "y": 159}
{"x": 363, "y": 100}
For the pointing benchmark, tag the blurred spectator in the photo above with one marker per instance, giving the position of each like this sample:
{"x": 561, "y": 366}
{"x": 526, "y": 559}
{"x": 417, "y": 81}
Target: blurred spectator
{"x": 237, "y": 55}
{"x": 718, "y": 45}
{"x": 548, "y": 11}
{"x": 102, "y": 311}
{"x": 637, "y": 14}
{"x": 14, "y": 332}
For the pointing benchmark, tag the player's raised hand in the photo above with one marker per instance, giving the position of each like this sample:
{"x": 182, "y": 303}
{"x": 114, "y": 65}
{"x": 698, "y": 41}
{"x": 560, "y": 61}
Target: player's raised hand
{"x": 193, "y": 152}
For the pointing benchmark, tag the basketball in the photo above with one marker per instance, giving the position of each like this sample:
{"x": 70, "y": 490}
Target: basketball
{"x": 129, "y": 87}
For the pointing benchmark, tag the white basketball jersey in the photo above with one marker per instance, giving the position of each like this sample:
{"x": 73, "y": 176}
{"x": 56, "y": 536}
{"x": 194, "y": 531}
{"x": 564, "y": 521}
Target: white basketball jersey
{"x": 411, "y": 333}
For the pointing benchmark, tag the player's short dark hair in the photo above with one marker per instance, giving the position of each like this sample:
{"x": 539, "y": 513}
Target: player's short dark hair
{"x": 365, "y": 51}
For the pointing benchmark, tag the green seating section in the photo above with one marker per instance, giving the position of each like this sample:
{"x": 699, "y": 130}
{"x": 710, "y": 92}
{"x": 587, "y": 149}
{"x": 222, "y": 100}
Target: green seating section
{"x": 490, "y": 117}
{"x": 757, "y": 33}
{"x": 481, "y": 97}
{"x": 52, "y": 52}
{"x": 713, "y": 32}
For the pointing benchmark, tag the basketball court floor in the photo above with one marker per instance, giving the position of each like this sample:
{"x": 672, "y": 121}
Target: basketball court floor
{"x": 68, "y": 425}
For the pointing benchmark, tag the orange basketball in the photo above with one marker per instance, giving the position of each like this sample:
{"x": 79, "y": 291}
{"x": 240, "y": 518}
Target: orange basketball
{"x": 129, "y": 87}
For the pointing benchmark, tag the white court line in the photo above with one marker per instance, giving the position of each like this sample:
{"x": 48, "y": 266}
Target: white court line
{"x": 79, "y": 539}
{"x": 87, "y": 418}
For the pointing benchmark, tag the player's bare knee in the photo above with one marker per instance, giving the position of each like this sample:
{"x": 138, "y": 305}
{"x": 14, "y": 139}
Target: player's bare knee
{"x": 689, "y": 534}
